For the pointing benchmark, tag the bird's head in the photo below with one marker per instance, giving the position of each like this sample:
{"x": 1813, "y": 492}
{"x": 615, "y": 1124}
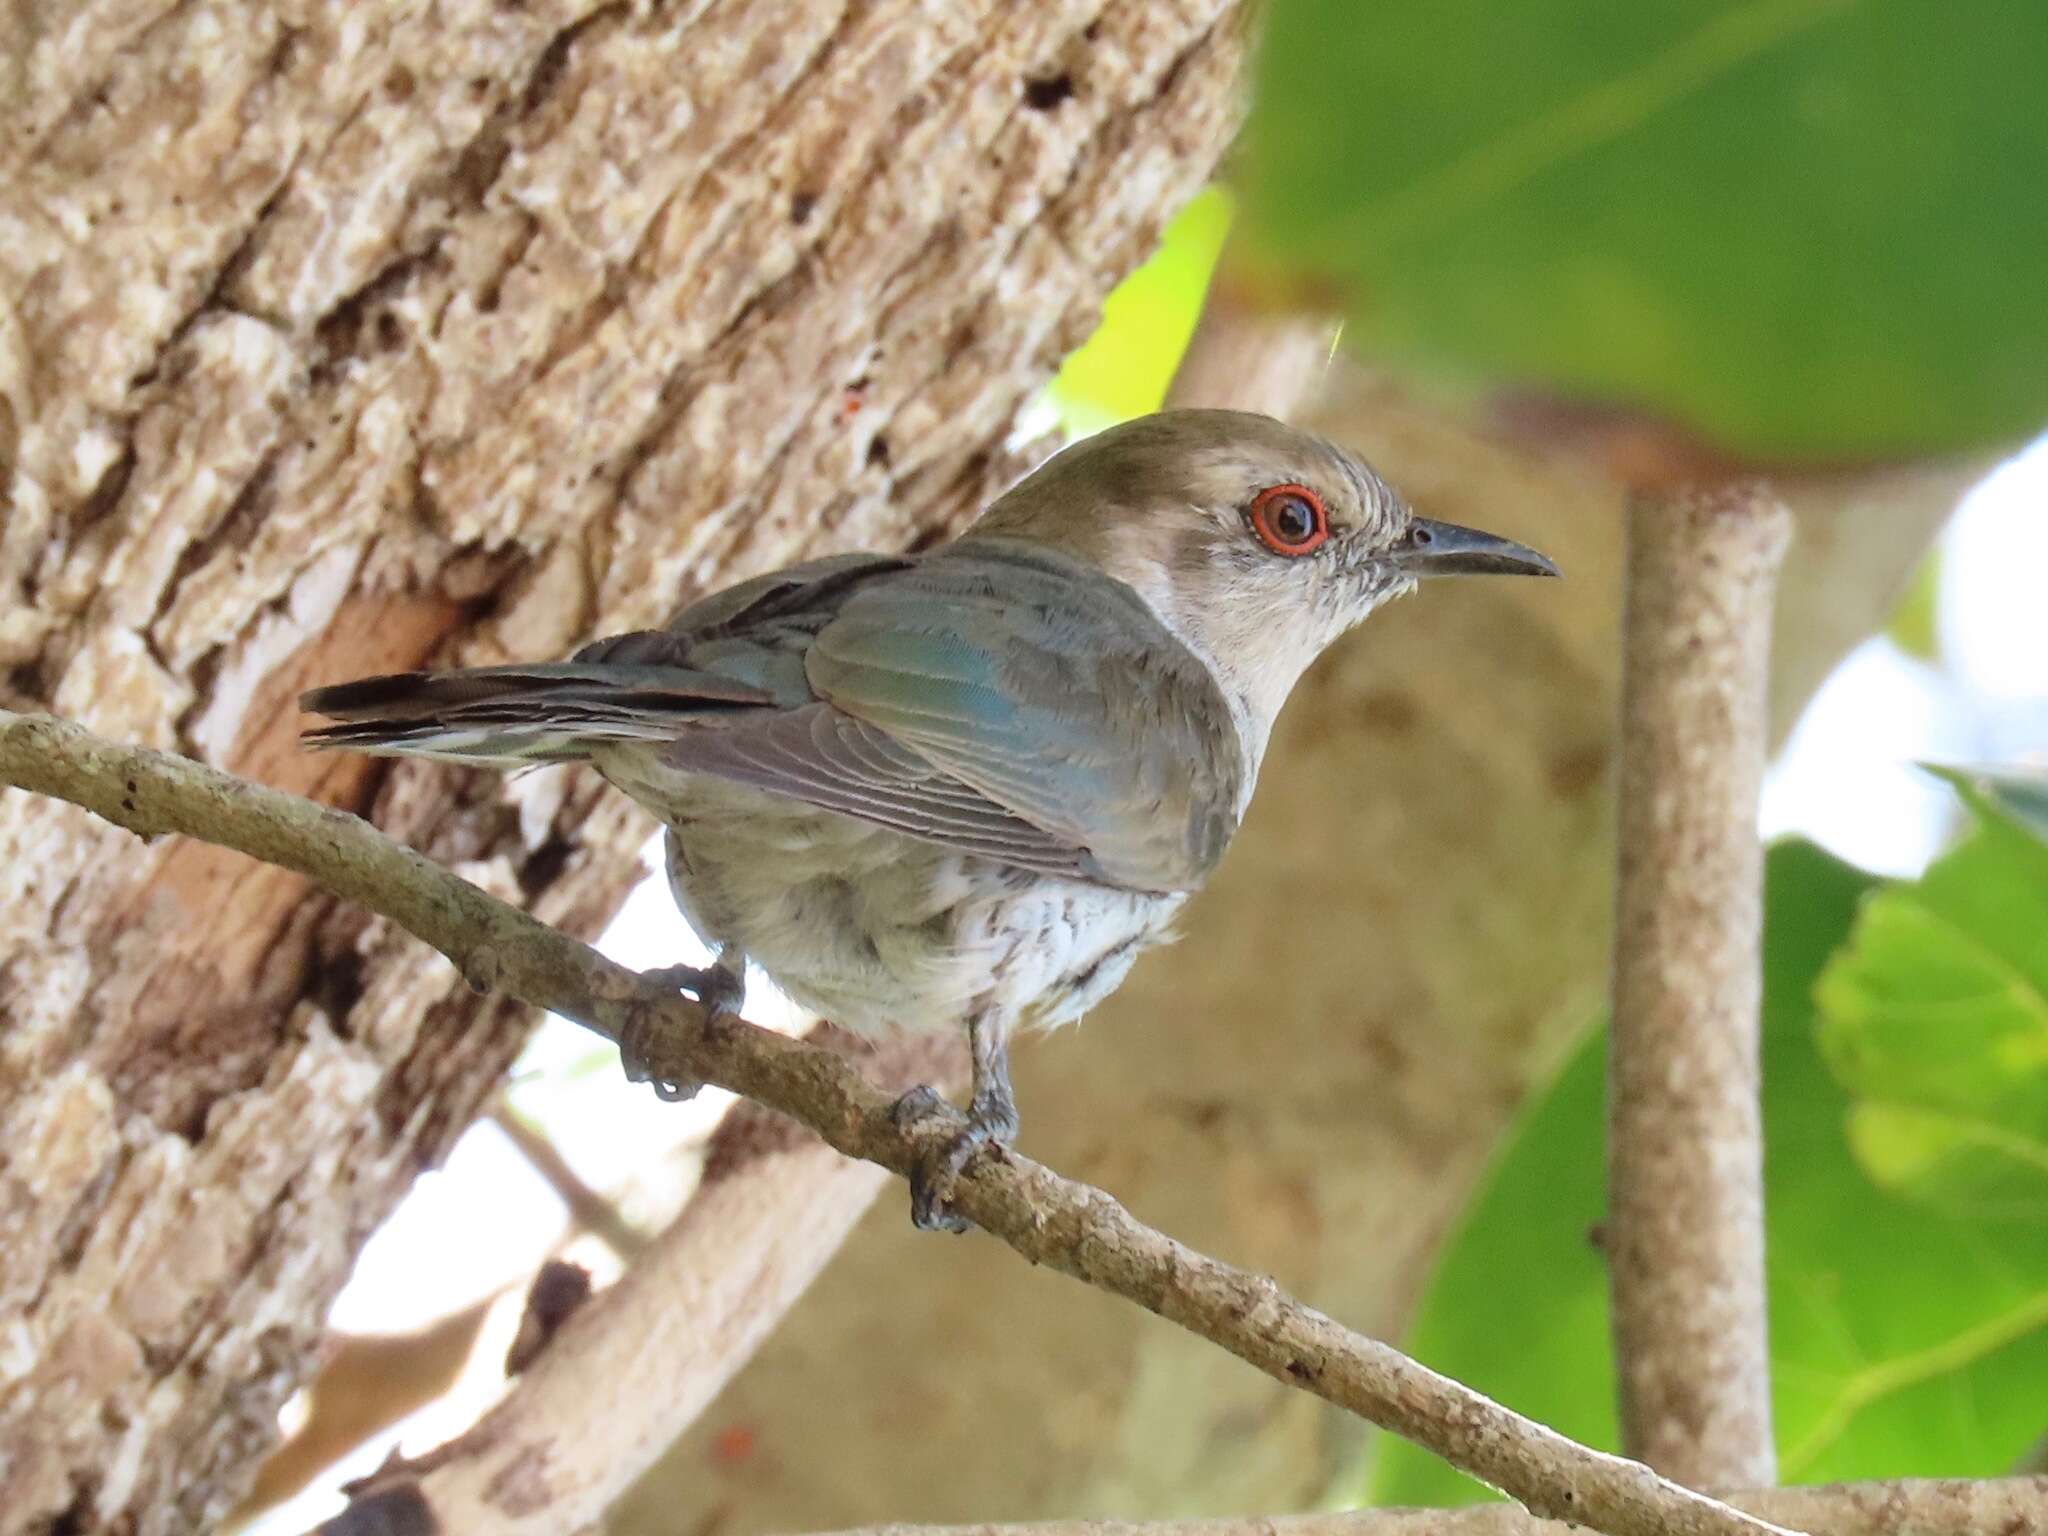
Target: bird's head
{"x": 1259, "y": 545}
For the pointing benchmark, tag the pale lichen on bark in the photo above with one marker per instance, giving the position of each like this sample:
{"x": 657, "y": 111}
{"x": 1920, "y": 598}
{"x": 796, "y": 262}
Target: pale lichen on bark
{"x": 335, "y": 337}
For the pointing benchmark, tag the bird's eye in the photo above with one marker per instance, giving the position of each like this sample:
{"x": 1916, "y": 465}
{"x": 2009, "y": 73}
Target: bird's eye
{"x": 1289, "y": 519}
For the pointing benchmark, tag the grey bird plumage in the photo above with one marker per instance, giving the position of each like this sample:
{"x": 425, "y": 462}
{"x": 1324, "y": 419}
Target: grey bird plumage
{"x": 966, "y": 788}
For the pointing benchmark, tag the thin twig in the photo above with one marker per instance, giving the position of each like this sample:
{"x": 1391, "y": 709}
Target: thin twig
{"x": 1685, "y": 1238}
{"x": 588, "y": 1209}
{"x": 2016, "y": 1506}
{"x": 1050, "y": 1220}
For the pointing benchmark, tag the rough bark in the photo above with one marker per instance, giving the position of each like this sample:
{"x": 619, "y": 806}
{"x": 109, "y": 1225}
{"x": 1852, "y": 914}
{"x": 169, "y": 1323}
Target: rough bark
{"x": 340, "y": 337}
{"x": 1408, "y": 931}
{"x": 1685, "y": 1153}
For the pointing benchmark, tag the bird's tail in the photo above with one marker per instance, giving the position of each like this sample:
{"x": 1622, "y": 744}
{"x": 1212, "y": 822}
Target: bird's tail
{"x": 550, "y": 713}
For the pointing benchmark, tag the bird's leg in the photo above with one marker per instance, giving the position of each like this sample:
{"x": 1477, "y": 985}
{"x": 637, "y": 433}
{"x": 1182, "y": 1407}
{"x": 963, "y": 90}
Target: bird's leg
{"x": 719, "y": 988}
{"x": 991, "y": 1121}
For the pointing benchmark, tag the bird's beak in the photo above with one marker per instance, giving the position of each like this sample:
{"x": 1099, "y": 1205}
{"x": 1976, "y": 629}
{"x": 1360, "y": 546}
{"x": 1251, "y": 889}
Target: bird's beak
{"x": 1444, "y": 549}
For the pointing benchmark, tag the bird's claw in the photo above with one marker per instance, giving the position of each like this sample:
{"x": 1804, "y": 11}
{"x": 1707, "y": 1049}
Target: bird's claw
{"x": 714, "y": 988}
{"x": 986, "y": 1125}
{"x": 639, "y": 1054}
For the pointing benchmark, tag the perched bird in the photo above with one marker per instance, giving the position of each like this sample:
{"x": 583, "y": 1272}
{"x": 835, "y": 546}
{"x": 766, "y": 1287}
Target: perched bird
{"x": 965, "y": 788}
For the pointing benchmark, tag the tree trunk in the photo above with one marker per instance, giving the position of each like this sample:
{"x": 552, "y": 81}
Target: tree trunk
{"x": 341, "y": 338}
{"x": 1408, "y": 932}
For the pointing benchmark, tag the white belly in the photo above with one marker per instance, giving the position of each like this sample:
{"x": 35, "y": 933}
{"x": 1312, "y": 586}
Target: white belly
{"x": 882, "y": 933}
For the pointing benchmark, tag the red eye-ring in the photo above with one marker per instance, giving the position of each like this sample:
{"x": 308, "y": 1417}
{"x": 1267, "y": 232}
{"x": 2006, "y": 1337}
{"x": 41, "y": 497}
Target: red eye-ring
{"x": 1289, "y": 519}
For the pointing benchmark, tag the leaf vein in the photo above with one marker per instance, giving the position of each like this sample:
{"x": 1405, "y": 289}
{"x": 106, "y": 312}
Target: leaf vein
{"x": 1598, "y": 116}
{"x": 1897, "y": 1374}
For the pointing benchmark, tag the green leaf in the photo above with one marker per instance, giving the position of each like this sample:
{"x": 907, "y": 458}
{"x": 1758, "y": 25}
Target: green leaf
{"x": 1935, "y": 1016}
{"x": 1123, "y": 370}
{"x": 1808, "y": 229}
{"x": 1904, "y": 1341}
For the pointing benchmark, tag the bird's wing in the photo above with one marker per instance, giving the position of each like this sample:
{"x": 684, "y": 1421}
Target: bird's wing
{"x": 753, "y": 634}
{"x": 1006, "y": 701}
{"x": 736, "y": 653}
{"x": 990, "y": 697}
{"x": 756, "y": 635}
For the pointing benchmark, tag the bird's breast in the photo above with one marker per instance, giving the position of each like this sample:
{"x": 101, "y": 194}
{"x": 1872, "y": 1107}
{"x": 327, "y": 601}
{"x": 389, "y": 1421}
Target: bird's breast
{"x": 883, "y": 933}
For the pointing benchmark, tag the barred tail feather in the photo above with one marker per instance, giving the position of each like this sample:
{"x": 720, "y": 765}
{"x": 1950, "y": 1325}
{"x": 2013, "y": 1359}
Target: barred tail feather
{"x": 512, "y": 715}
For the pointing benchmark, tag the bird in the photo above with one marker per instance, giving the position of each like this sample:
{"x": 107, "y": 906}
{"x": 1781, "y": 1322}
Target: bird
{"x": 964, "y": 788}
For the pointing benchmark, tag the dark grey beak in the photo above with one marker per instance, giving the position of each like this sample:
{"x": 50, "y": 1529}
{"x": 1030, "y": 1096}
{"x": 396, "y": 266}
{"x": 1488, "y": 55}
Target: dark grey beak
{"x": 1444, "y": 549}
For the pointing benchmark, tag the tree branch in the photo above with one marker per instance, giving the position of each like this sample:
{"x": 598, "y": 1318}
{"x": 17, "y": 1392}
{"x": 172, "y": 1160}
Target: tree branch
{"x": 1244, "y": 358}
{"x": 1915, "y": 1507}
{"x": 1685, "y": 1240}
{"x": 1050, "y": 1220}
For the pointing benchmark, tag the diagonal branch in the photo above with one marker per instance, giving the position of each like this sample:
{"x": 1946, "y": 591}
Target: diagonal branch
{"x": 1050, "y": 1220}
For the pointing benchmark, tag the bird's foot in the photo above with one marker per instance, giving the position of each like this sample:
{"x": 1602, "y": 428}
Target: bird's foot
{"x": 990, "y": 1122}
{"x": 717, "y": 989}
